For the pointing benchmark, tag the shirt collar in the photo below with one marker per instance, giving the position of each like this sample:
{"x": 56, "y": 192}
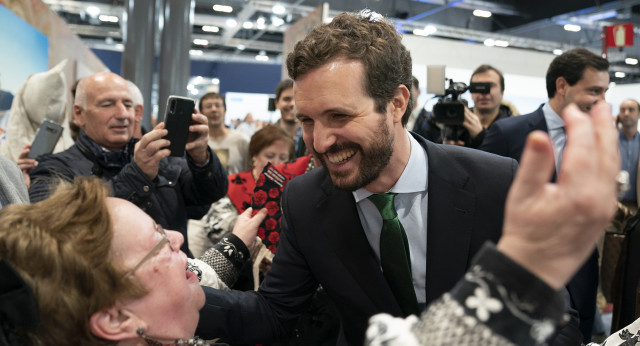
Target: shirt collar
{"x": 414, "y": 176}
{"x": 623, "y": 137}
{"x": 552, "y": 118}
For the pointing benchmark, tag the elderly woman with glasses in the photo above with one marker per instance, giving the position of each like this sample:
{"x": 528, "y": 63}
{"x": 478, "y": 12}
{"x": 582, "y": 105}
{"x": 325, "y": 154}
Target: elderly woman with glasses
{"x": 103, "y": 272}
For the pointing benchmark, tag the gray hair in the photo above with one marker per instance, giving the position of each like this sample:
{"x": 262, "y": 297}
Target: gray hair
{"x": 136, "y": 95}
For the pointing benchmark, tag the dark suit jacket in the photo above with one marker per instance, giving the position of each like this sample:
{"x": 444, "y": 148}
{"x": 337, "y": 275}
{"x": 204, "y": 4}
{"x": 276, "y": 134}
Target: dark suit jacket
{"x": 323, "y": 242}
{"x": 507, "y": 137}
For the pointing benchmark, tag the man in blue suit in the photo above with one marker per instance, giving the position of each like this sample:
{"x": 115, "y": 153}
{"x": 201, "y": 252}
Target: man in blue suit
{"x": 577, "y": 76}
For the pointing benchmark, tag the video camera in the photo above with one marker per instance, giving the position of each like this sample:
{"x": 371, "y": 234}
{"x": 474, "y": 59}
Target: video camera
{"x": 449, "y": 110}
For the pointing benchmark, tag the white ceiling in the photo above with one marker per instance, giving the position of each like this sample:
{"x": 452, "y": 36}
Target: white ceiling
{"x": 537, "y": 25}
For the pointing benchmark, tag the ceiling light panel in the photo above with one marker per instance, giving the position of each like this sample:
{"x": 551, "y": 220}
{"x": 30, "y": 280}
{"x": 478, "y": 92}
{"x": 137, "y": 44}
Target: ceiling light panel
{"x": 482, "y": 13}
{"x": 222, "y": 8}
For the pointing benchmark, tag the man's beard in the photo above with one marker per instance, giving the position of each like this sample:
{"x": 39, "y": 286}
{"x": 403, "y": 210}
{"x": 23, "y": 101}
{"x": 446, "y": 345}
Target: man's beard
{"x": 373, "y": 160}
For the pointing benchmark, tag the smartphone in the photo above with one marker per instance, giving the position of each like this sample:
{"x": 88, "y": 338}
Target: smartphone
{"x": 177, "y": 119}
{"x": 46, "y": 139}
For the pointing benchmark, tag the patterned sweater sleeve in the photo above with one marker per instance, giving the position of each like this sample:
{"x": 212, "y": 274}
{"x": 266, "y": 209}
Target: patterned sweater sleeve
{"x": 220, "y": 266}
{"x": 497, "y": 302}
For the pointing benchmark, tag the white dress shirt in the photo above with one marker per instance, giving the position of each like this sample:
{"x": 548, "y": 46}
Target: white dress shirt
{"x": 411, "y": 204}
{"x": 555, "y": 127}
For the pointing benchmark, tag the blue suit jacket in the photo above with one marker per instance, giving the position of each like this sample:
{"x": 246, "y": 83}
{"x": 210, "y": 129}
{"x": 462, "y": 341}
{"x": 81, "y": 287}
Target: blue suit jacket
{"x": 507, "y": 137}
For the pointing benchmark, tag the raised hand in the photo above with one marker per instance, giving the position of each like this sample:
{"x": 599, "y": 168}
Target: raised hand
{"x": 551, "y": 228}
{"x": 150, "y": 149}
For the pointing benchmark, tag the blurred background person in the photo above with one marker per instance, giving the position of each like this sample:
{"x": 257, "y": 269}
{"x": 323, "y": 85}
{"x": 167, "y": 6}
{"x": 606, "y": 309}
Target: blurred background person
{"x": 230, "y": 145}
{"x": 487, "y": 107}
{"x": 286, "y": 105}
{"x": 42, "y": 96}
{"x": 629, "y": 145}
{"x": 269, "y": 144}
{"x": 12, "y": 185}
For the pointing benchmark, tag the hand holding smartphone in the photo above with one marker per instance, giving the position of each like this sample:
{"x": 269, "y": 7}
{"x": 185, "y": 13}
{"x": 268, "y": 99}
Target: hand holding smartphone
{"x": 46, "y": 139}
{"x": 177, "y": 119}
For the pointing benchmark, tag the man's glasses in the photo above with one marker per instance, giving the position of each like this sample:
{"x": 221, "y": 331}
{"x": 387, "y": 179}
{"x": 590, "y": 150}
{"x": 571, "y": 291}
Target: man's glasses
{"x": 154, "y": 251}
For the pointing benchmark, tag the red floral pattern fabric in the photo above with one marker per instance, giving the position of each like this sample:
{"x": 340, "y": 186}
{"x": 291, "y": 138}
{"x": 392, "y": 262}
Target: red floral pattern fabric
{"x": 268, "y": 194}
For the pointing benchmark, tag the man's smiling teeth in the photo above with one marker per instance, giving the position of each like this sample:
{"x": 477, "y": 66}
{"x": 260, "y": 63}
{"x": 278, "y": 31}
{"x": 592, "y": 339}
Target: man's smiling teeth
{"x": 341, "y": 156}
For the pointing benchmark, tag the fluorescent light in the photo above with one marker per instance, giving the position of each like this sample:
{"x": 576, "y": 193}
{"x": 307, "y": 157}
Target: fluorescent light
{"x": 262, "y": 56}
{"x": 210, "y": 28}
{"x": 222, "y": 8}
{"x": 277, "y": 21}
{"x": 197, "y": 80}
{"x": 106, "y": 18}
{"x": 195, "y": 52}
{"x": 557, "y": 51}
{"x": 231, "y": 23}
{"x": 247, "y": 25}
{"x": 482, "y": 13}
{"x": 190, "y": 87}
{"x": 489, "y": 42}
{"x": 93, "y": 11}
{"x": 241, "y": 47}
{"x": 215, "y": 80}
{"x": 631, "y": 61}
{"x": 572, "y": 27}
{"x": 200, "y": 42}
{"x": 620, "y": 74}
{"x": 501, "y": 43}
{"x": 261, "y": 23}
{"x": 194, "y": 91}
{"x": 278, "y": 9}
{"x": 428, "y": 30}
{"x": 119, "y": 46}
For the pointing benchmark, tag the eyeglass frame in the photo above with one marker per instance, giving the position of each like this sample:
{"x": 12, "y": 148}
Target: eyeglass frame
{"x": 154, "y": 251}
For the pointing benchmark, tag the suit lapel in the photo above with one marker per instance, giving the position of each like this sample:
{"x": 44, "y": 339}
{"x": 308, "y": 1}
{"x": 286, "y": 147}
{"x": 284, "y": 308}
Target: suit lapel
{"x": 449, "y": 221}
{"x": 348, "y": 240}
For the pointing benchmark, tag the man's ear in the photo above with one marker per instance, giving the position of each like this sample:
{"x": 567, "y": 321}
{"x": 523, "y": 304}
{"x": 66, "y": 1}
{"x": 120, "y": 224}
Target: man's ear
{"x": 139, "y": 110}
{"x": 114, "y": 324}
{"x": 561, "y": 86}
{"x": 78, "y": 115}
{"x": 400, "y": 102}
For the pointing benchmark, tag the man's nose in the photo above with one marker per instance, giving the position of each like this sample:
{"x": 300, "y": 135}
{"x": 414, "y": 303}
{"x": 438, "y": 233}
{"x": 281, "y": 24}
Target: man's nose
{"x": 323, "y": 138}
{"x": 122, "y": 111}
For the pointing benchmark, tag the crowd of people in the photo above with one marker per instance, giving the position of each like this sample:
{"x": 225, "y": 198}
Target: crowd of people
{"x": 358, "y": 215}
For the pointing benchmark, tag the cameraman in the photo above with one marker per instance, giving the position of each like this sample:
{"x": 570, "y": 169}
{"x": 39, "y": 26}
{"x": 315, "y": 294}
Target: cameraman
{"x": 487, "y": 108}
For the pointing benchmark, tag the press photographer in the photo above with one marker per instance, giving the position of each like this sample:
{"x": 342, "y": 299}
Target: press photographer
{"x": 467, "y": 127}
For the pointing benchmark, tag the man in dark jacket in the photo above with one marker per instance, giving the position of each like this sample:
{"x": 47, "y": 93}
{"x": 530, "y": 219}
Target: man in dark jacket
{"x": 139, "y": 171}
{"x": 488, "y": 108}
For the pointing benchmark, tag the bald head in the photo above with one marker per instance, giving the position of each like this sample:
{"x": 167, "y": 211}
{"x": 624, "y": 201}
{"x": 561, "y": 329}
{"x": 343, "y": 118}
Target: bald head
{"x": 103, "y": 108}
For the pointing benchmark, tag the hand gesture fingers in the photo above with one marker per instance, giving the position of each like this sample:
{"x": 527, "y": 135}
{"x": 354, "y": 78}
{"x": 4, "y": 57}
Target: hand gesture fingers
{"x": 150, "y": 150}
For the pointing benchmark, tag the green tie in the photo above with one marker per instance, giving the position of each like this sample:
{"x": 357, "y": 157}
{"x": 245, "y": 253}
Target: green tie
{"x": 394, "y": 254}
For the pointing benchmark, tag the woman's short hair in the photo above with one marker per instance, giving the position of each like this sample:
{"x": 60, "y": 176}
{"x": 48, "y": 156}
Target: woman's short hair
{"x": 266, "y": 136}
{"x": 61, "y": 247}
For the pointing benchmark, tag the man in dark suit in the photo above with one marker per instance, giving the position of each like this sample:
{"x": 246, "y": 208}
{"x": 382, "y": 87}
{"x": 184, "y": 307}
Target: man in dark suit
{"x": 577, "y": 76}
{"x": 352, "y": 80}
